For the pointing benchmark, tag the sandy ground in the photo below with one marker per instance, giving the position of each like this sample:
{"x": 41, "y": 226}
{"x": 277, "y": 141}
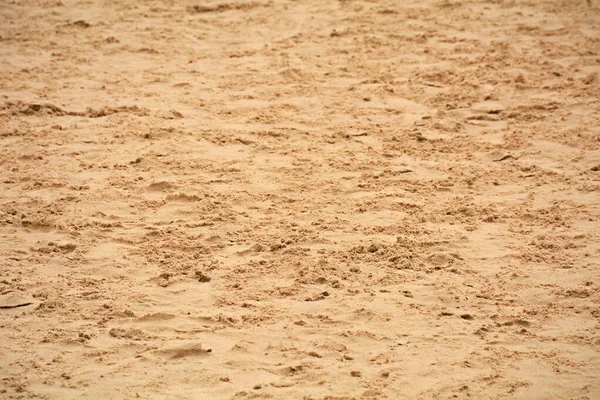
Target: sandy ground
{"x": 300, "y": 199}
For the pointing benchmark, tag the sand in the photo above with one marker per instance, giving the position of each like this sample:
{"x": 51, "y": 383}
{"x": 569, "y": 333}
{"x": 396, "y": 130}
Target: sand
{"x": 300, "y": 199}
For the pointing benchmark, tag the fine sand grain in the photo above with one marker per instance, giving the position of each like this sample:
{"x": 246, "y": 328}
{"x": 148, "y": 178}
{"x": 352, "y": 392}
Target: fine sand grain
{"x": 300, "y": 199}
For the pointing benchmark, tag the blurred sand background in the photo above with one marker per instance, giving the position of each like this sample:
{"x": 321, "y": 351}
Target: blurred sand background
{"x": 300, "y": 199}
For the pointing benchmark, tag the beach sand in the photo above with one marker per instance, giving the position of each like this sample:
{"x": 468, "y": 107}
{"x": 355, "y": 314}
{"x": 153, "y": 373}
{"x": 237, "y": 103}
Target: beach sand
{"x": 300, "y": 199}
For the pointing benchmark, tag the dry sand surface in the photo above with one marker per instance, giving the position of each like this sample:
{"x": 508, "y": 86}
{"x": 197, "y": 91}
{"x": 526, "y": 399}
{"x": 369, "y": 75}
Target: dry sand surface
{"x": 300, "y": 199}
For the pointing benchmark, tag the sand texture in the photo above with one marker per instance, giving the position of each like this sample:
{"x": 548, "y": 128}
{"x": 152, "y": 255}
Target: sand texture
{"x": 312, "y": 199}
